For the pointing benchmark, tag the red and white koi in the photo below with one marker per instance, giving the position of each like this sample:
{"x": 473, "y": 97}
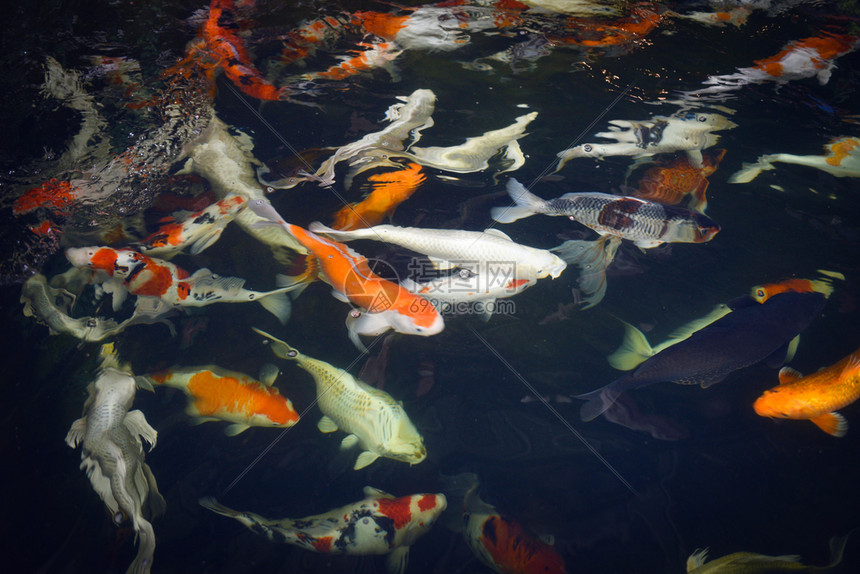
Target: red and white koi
{"x": 218, "y": 394}
{"x": 196, "y": 232}
{"x": 377, "y": 524}
{"x": 125, "y": 271}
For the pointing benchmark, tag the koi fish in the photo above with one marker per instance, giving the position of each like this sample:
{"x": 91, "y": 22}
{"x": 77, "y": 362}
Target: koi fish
{"x": 495, "y": 280}
{"x": 841, "y": 160}
{"x": 111, "y": 437}
{"x": 736, "y": 17}
{"x": 390, "y": 189}
{"x": 498, "y": 541}
{"x": 218, "y": 394}
{"x": 370, "y": 56}
{"x": 812, "y": 57}
{"x": 197, "y": 232}
{"x": 815, "y": 397}
{"x": 691, "y": 133}
{"x": 125, "y": 271}
{"x": 377, "y": 524}
{"x": 40, "y": 301}
{"x": 642, "y": 19}
{"x": 754, "y": 563}
{"x": 372, "y": 419}
{"x": 752, "y": 332}
{"x": 645, "y": 223}
{"x": 670, "y": 184}
{"x": 386, "y": 304}
{"x": 448, "y": 248}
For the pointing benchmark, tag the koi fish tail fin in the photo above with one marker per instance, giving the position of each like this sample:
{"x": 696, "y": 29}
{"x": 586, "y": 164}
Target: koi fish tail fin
{"x": 837, "y": 549}
{"x": 300, "y": 281}
{"x": 592, "y": 258}
{"x": 634, "y": 349}
{"x": 750, "y": 171}
{"x": 145, "y": 550}
{"x": 598, "y": 401}
{"x": 274, "y": 530}
{"x": 527, "y": 204}
{"x": 278, "y": 304}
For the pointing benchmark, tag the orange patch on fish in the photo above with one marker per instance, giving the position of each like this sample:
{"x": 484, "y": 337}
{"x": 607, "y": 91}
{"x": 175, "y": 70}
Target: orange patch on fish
{"x": 515, "y": 550}
{"x": 397, "y": 509}
{"x": 390, "y": 189}
{"x": 323, "y": 544}
{"x": 821, "y": 50}
{"x": 214, "y": 394}
{"x": 381, "y": 24}
{"x": 762, "y": 293}
{"x": 840, "y": 149}
{"x": 53, "y": 194}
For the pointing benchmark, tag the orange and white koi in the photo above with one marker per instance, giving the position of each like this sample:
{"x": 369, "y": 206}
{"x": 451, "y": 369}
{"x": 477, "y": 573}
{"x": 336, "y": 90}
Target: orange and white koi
{"x": 815, "y": 397}
{"x": 671, "y": 183}
{"x": 125, "y": 271}
{"x": 386, "y": 304}
{"x": 812, "y": 57}
{"x": 389, "y": 190}
{"x": 378, "y": 524}
{"x": 370, "y": 56}
{"x": 197, "y": 231}
{"x": 736, "y": 17}
{"x": 218, "y": 394}
{"x": 842, "y": 159}
{"x": 642, "y": 19}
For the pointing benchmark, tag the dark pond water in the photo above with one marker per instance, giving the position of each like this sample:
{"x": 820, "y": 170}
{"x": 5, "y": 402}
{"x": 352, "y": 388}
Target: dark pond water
{"x": 725, "y": 478}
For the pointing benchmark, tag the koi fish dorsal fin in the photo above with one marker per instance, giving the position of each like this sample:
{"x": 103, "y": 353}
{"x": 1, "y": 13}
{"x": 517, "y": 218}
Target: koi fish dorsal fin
{"x": 833, "y": 424}
{"x": 697, "y": 558}
{"x": 852, "y": 368}
{"x": 788, "y": 375}
{"x": 497, "y": 233}
{"x": 369, "y": 491}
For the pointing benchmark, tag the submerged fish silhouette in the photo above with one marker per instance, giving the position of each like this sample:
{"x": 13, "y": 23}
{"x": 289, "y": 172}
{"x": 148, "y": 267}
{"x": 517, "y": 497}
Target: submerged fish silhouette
{"x": 750, "y": 333}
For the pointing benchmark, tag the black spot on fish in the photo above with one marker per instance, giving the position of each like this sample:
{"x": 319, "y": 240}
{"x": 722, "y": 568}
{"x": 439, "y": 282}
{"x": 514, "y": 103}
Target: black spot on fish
{"x": 204, "y": 218}
{"x": 488, "y": 530}
{"x": 650, "y": 135}
{"x": 617, "y": 214}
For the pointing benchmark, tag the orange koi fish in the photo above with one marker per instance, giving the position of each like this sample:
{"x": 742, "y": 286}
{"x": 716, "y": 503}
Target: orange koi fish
{"x": 218, "y": 46}
{"x": 669, "y": 184}
{"x": 219, "y": 394}
{"x": 500, "y": 542}
{"x": 386, "y": 304}
{"x": 197, "y": 232}
{"x": 815, "y": 397}
{"x": 55, "y": 195}
{"x": 124, "y": 271}
{"x": 370, "y": 56}
{"x": 390, "y": 189}
{"x": 762, "y": 293}
{"x": 643, "y": 18}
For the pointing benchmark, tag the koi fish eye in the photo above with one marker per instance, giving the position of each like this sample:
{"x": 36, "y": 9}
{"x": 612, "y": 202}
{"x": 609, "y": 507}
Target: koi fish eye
{"x": 702, "y": 118}
{"x": 465, "y": 273}
{"x": 355, "y": 314}
{"x": 251, "y": 297}
{"x": 292, "y": 353}
{"x": 92, "y": 322}
{"x": 270, "y": 189}
{"x": 760, "y": 294}
{"x": 587, "y": 148}
{"x": 117, "y": 518}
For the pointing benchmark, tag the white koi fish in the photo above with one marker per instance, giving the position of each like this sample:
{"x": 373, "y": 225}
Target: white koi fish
{"x": 125, "y": 271}
{"x": 493, "y": 281}
{"x": 448, "y": 248}
{"x": 378, "y": 524}
{"x": 690, "y": 133}
{"x": 841, "y": 160}
{"x": 371, "y": 417}
{"x": 112, "y": 453}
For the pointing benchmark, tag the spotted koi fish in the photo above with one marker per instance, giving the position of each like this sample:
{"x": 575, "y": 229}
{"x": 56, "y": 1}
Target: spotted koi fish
{"x": 645, "y": 223}
{"x": 389, "y": 190}
{"x": 815, "y": 397}
{"x": 841, "y": 160}
{"x": 670, "y": 184}
{"x": 218, "y": 394}
{"x": 385, "y": 304}
{"x": 378, "y": 524}
{"x": 125, "y": 271}
{"x": 196, "y": 232}
{"x": 372, "y": 418}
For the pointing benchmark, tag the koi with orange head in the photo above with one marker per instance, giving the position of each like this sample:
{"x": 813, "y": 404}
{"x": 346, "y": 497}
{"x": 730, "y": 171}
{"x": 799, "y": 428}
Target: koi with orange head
{"x": 389, "y": 190}
{"x": 824, "y": 286}
{"x": 815, "y": 397}
{"x": 219, "y": 394}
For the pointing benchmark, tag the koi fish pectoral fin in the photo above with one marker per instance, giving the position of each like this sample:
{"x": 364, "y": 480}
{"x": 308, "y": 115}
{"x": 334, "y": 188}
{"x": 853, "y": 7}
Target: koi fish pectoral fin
{"x": 397, "y": 560}
{"x": 278, "y": 304}
{"x": 598, "y": 402}
{"x": 365, "y": 459}
{"x": 833, "y": 424}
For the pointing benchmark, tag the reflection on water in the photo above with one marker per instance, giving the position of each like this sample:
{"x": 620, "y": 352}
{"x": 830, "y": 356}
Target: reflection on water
{"x": 178, "y": 131}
